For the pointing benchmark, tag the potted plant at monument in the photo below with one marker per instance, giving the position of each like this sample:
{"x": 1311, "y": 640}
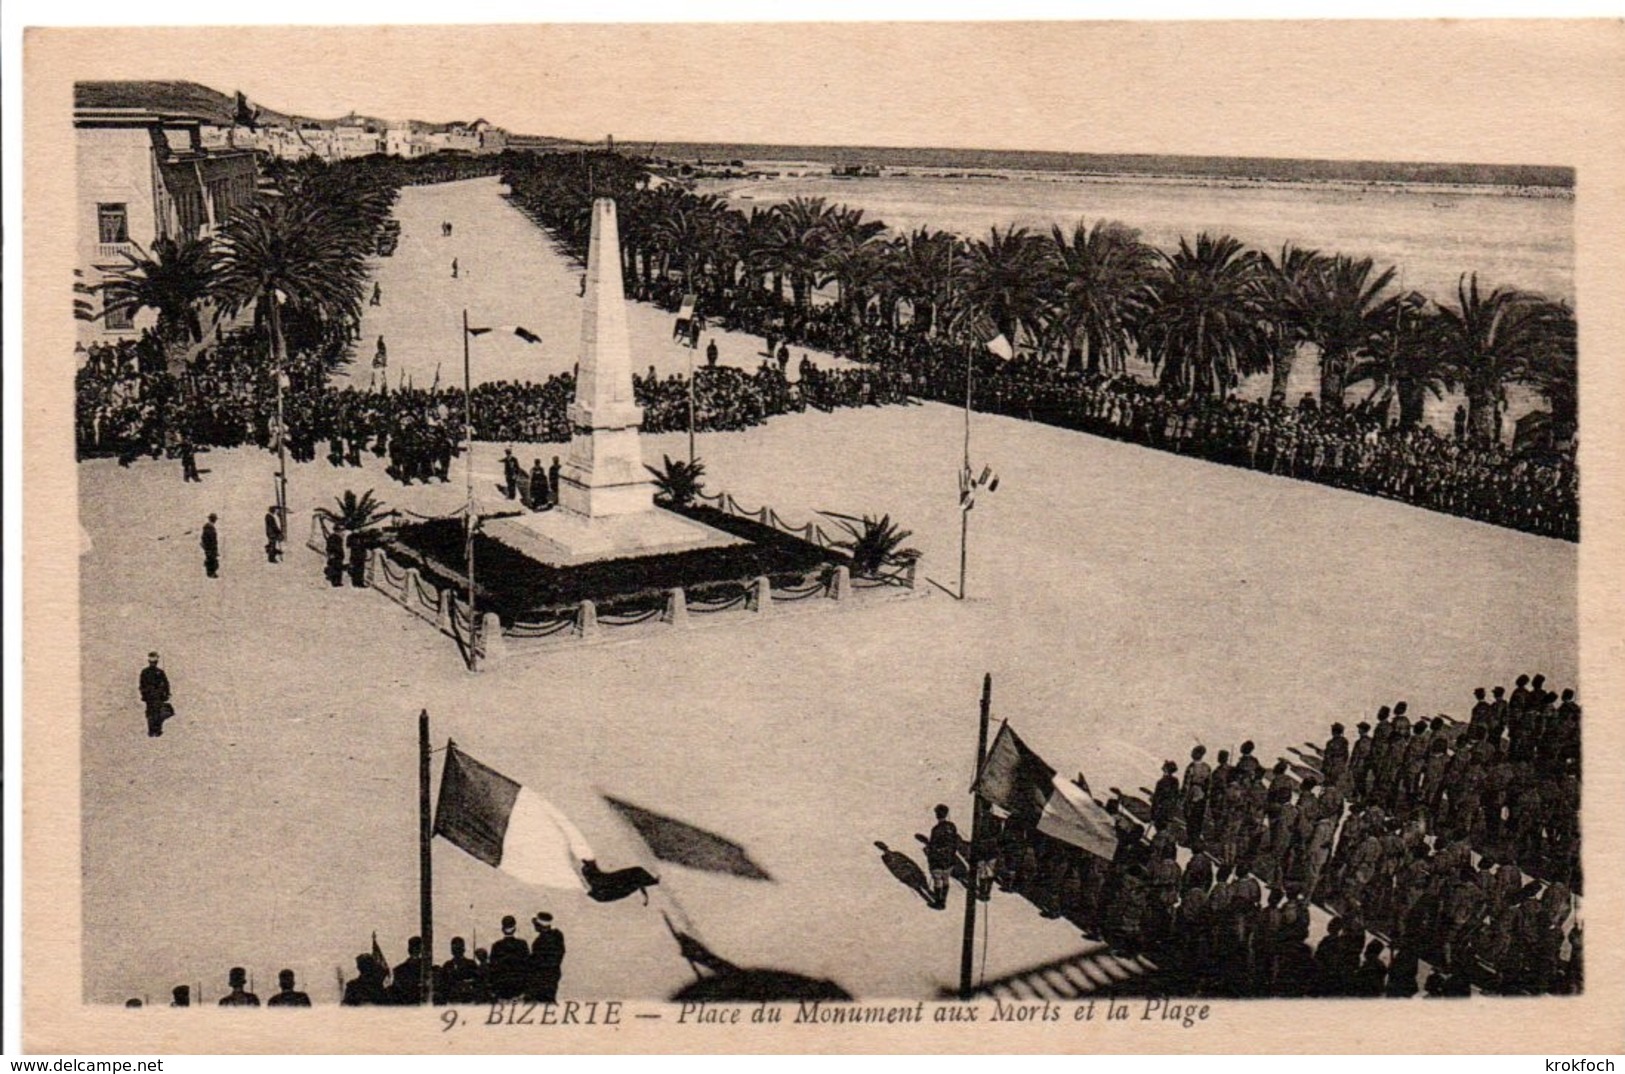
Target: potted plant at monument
{"x": 875, "y": 544}
{"x": 678, "y": 483}
{"x": 362, "y": 519}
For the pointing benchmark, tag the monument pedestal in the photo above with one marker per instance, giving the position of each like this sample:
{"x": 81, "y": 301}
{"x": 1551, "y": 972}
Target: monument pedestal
{"x": 566, "y": 539}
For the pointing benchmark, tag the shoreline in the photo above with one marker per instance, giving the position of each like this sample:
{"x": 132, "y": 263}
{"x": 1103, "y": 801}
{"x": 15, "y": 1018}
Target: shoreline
{"x": 734, "y": 185}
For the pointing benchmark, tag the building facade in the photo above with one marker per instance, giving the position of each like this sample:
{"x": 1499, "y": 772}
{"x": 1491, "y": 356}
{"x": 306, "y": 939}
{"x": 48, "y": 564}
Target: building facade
{"x": 144, "y": 174}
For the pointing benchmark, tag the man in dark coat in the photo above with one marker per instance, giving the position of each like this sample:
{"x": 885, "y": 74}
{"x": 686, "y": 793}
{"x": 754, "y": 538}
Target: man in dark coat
{"x": 211, "y": 548}
{"x": 335, "y": 556}
{"x": 459, "y": 977}
{"x": 547, "y": 960}
{"x": 538, "y": 486}
{"x": 510, "y": 963}
{"x": 273, "y": 535}
{"x": 155, "y": 695}
{"x": 189, "y": 461}
{"x": 511, "y": 473}
{"x": 406, "y": 983}
{"x": 553, "y": 481}
{"x": 288, "y": 996}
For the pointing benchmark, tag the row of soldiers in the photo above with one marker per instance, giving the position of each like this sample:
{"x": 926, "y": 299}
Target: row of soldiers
{"x": 1364, "y": 831}
{"x": 512, "y": 969}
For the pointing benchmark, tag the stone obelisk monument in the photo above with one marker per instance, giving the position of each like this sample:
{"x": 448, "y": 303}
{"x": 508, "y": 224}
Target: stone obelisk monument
{"x": 604, "y": 475}
{"x": 606, "y": 507}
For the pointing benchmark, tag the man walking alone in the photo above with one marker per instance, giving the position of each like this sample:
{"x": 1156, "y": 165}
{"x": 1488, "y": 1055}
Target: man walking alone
{"x": 155, "y": 695}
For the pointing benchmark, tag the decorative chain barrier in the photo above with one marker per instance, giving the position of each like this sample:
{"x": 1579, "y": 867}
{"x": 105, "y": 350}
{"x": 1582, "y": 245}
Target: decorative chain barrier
{"x": 391, "y": 576}
{"x": 704, "y": 608}
{"x": 424, "y": 593}
{"x": 819, "y": 587}
{"x": 629, "y": 620}
{"x": 541, "y": 629}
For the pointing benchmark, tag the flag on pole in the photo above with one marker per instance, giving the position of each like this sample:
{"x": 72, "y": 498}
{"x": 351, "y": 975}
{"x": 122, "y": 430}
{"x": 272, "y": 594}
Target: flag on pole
{"x": 512, "y": 828}
{"x": 1073, "y": 816}
{"x": 969, "y": 486}
{"x": 1013, "y": 777}
{"x": 519, "y": 330}
{"x": 988, "y": 335}
{"x": 378, "y": 957}
{"x": 682, "y": 843}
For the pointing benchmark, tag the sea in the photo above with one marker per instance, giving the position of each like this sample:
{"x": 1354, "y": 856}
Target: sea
{"x": 1431, "y": 233}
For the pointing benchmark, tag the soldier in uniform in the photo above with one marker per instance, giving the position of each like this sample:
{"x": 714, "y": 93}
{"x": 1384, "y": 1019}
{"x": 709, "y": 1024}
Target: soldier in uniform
{"x": 367, "y": 989}
{"x": 288, "y": 996}
{"x": 1195, "y": 792}
{"x": 1334, "y": 756}
{"x": 239, "y": 995}
{"x": 1165, "y": 799}
{"x": 459, "y": 981}
{"x": 1359, "y": 759}
{"x": 941, "y": 852}
{"x": 406, "y": 983}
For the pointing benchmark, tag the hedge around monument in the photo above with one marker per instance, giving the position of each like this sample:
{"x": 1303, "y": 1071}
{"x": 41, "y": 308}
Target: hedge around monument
{"x": 517, "y": 587}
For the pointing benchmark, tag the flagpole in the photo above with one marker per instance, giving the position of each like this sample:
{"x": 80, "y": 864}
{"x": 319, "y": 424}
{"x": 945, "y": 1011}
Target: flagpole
{"x": 425, "y": 837}
{"x": 967, "y": 951}
{"x": 279, "y": 361}
{"x": 468, "y": 512}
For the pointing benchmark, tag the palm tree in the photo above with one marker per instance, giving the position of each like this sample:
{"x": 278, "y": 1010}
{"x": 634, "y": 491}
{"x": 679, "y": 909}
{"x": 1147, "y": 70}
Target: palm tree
{"x": 678, "y": 482}
{"x": 1103, "y": 272}
{"x": 1286, "y": 286}
{"x": 1410, "y": 368}
{"x": 1202, "y": 328}
{"x": 923, "y": 263}
{"x": 799, "y": 243}
{"x": 173, "y": 279}
{"x": 1349, "y": 319}
{"x": 1007, "y": 279}
{"x": 290, "y": 256}
{"x": 1554, "y": 370}
{"x": 1492, "y": 339}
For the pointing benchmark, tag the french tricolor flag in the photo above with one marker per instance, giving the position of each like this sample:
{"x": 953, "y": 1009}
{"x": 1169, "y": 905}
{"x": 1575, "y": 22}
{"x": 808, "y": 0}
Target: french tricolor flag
{"x": 512, "y": 828}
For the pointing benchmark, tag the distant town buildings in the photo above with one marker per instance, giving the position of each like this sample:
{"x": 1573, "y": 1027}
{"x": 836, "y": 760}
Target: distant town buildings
{"x": 173, "y": 159}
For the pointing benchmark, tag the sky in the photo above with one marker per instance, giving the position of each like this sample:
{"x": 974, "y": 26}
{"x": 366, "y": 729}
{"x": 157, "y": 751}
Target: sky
{"x": 1441, "y": 91}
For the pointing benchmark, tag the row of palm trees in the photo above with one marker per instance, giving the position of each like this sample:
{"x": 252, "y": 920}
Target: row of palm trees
{"x": 1096, "y": 298}
{"x": 301, "y": 245}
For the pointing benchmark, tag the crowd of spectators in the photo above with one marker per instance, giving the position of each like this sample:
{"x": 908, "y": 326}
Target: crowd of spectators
{"x": 128, "y": 405}
{"x": 1439, "y": 844}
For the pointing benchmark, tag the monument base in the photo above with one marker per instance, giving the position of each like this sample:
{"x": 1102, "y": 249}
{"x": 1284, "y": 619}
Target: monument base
{"x": 561, "y": 538}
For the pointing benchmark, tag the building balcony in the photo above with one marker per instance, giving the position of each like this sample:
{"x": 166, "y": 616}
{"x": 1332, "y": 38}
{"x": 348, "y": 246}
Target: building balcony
{"x": 113, "y": 252}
